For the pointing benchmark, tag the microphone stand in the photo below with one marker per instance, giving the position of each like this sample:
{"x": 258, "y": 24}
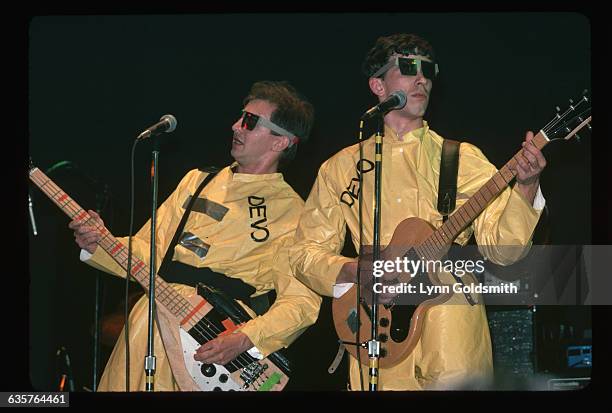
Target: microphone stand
{"x": 150, "y": 357}
{"x": 374, "y": 344}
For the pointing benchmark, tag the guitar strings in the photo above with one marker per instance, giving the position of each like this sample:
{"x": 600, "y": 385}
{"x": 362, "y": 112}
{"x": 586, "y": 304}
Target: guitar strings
{"x": 432, "y": 246}
{"x": 72, "y": 207}
{"x": 565, "y": 126}
{"x": 559, "y": 117}
{"x": 436, "y": 241}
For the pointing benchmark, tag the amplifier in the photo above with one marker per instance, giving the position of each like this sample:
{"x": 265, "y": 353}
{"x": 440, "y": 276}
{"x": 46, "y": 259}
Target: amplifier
{"x": 512, "y": 339}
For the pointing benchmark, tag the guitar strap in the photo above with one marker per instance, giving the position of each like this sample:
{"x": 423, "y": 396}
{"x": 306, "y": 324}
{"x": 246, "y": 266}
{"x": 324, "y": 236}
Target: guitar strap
{"x": 447, "y": 184}
{"x": 177, "y": 272}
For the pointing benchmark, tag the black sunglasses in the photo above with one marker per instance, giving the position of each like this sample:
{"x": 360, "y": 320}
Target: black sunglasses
{"x": 410, "y": 67}
{"x": 251, "y": 120}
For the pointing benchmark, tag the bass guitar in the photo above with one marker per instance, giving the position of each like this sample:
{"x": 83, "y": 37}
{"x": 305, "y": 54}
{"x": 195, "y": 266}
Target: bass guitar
{"x": 198, "y": 318}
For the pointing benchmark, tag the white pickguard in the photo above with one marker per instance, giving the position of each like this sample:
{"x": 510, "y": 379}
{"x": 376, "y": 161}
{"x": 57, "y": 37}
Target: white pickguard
{"x": 220, "y": 379}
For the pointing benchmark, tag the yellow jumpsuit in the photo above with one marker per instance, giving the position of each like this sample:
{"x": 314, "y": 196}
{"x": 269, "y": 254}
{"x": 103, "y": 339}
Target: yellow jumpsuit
{"x": 455, "y": 344}
{"x": 255, "y": 216}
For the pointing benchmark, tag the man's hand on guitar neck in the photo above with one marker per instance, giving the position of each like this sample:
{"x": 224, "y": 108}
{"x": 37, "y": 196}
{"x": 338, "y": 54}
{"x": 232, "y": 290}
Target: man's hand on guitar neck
{"x": 87, "y": 236}
{"x": 223, "y": 349}
{"x": 530, "y": 163}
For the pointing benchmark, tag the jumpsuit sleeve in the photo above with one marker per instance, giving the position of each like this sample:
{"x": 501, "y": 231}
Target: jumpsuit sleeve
{"x": 295, "y": 308}
{"x": 504, "y": 229}
{"x": 320, "y": 235}
{"x": 168, "y": 217}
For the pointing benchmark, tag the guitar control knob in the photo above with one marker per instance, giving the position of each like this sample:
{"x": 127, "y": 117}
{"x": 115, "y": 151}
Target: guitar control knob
{"x": 383, "y": 352}
{"x": 383, "y": 338}
{"x": 208, "y": 370}
{"x": 384, "y": 322}
{"x": 223, "y": 378}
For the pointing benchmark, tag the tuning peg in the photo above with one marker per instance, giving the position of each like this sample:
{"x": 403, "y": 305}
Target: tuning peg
{"x": 571, "y": 101}
{"x": 577, "y": 137}
{"x": 588, "y": 125}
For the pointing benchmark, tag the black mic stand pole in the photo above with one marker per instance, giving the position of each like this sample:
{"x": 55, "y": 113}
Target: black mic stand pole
{"x": 150, "y": 357}
{"x": 374, "y": 344}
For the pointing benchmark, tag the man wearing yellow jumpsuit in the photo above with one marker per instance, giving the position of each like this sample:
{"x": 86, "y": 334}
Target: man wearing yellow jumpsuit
{"x": 240, "y": 226}
{"x": 455, "y": 345}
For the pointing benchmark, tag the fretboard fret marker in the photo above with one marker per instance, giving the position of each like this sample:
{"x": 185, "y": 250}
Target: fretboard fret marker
{"x": 442, "y": 234}
{"x": 439, "y": 241}
{"x": 447, "y": 231}
{"x": 117, "y": 248}
{"x": 62, "y": 198}
{"x": 139, "y": 270}
{"x": 137, "y": 267}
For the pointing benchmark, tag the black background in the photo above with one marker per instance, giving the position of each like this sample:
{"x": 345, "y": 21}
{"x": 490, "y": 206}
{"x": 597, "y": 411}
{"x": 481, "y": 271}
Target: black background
{"x": 95, "y": 82}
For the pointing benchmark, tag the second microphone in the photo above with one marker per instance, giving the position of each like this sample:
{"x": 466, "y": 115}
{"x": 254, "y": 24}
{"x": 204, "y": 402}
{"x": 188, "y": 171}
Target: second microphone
{"x": 167, "y": 123}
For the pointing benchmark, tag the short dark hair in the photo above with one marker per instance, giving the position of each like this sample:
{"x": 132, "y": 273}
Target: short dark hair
{"x": 400, "y": 43}
{"x": 293, "y": 112}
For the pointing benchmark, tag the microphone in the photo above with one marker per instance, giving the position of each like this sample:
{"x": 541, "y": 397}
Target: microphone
{"x": 167, "y": 123}
{"x": 396, "y": 100}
